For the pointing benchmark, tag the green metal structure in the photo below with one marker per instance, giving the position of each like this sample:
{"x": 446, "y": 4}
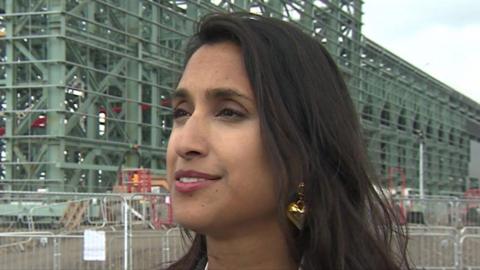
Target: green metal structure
{"x": 84, "y": 89}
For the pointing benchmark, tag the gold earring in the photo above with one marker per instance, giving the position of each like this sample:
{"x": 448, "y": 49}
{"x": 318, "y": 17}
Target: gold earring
{"x": 296, "y": 210}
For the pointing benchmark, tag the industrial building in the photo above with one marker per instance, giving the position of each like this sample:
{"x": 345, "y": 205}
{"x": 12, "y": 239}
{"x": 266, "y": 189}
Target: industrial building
{"x": 85, "y": 87}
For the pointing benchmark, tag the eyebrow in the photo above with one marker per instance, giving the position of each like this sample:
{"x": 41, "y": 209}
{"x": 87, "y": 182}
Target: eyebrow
{"x": 180, "y": 93}
{"x": 212, "y": 93}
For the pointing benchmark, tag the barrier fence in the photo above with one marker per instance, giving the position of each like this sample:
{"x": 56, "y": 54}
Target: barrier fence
{"x": 444, "y": 232}
{"x": 86, "y": 231}
{"x": 135, "y": 231}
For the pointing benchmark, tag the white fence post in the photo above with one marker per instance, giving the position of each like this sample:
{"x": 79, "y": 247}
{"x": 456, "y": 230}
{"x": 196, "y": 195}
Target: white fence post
{"x": 57, "y": 253}
{"x": 125, "y": 235}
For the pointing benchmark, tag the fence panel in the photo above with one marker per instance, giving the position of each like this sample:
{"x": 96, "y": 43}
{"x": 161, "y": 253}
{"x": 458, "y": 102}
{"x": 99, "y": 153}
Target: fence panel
{"x": 18, "y": 251}
{"x": 433, "y": 247}
{"x": 468, "y": 212}
{"x": 46, "y": 250}
{"x": 470, "y": 248}
{"x": 47, "y": 230}
{"x": 443, "y": 231}
{"x": 159, "y": 251}
{"x": 432, "y": 211}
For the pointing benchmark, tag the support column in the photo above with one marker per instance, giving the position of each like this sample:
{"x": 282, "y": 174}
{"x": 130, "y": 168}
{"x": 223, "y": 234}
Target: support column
{"x": 10, "y": 98}
{"x": 132, "y": 91}
{"x": 55, "y": 98}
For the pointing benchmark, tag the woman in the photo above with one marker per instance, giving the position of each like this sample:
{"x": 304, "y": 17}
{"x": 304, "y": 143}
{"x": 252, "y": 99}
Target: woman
{"x": 266, "y": 160}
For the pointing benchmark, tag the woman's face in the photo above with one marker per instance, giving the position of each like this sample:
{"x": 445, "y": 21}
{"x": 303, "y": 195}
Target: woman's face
{"x": 217, "y": 167}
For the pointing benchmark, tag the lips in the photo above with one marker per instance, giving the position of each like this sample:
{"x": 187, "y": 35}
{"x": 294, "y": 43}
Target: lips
{"x": 189, "y": 180}
{"x": 191, "y": 174}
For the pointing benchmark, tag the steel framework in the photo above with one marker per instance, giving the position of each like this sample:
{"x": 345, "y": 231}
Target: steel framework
{"x": 84, "y": 89}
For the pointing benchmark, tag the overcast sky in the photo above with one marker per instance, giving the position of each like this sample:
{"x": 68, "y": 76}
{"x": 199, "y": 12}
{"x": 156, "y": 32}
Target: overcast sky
{"x": 441, "y": 37}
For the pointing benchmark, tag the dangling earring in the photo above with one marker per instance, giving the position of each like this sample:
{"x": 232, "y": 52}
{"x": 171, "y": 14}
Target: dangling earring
{"x": 296, "y": 210}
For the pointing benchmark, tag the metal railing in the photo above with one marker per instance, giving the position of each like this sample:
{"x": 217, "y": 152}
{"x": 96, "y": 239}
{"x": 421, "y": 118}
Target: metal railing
{"x": 444, "y": 232}
{"x": 48, "y": 231}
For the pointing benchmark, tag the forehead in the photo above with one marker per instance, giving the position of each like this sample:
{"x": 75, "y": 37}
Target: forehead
{"x": 216, "y": 65}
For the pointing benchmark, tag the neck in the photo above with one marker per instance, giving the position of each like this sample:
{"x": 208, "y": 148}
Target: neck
{"x": 255, "y": 248}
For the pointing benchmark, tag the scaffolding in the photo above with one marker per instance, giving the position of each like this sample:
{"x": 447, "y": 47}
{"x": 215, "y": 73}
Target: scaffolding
{"x": 84, "y": 82}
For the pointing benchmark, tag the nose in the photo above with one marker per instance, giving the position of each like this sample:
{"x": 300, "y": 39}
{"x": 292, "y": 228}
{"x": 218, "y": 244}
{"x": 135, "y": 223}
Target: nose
{"x": 190, "y": 139}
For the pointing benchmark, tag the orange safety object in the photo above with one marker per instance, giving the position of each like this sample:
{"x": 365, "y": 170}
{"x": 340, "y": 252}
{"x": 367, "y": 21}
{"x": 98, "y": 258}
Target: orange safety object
{"x": 135, "y": 179}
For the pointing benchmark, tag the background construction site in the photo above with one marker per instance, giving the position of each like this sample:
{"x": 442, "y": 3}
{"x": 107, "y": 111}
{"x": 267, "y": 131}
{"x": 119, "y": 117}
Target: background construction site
{"x": 85, "y": 118}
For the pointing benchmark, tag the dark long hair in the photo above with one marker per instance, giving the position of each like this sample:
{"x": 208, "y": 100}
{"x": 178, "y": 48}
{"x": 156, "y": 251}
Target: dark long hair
{"x": 311, "y": 134}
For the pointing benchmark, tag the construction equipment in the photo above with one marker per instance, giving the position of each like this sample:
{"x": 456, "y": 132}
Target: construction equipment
{"x": 140, "y": 181}
{"x": 143, "y": 182}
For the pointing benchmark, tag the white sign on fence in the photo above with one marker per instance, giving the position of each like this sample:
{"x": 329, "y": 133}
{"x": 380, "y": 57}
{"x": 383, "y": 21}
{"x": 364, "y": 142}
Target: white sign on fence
{"x": 94, "y": 245}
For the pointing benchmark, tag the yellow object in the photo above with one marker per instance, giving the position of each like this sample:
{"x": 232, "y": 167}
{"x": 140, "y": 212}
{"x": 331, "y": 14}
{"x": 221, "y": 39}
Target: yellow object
{"x": 296, "y": 210}
{"x": 135, "y": 179}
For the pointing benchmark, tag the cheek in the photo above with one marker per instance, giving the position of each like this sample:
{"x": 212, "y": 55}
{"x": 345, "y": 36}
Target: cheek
{"x": 249, "y": 167}
{"x": 252, "y": 190}
{"x": 171, "y": 157}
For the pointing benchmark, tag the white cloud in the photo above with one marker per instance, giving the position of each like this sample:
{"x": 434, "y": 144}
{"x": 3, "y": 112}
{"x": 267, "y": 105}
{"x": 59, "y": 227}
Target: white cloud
{"x": 441, "y": 39}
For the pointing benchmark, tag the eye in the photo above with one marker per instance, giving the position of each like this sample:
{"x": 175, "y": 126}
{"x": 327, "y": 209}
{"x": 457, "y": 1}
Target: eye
{"x": 178, "y": 113}
{"x": 230, "y": 113}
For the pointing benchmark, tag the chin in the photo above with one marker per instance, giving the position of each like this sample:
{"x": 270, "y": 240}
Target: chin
{"x": 193, "y": 220}
{"x": 195, "y": 226}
